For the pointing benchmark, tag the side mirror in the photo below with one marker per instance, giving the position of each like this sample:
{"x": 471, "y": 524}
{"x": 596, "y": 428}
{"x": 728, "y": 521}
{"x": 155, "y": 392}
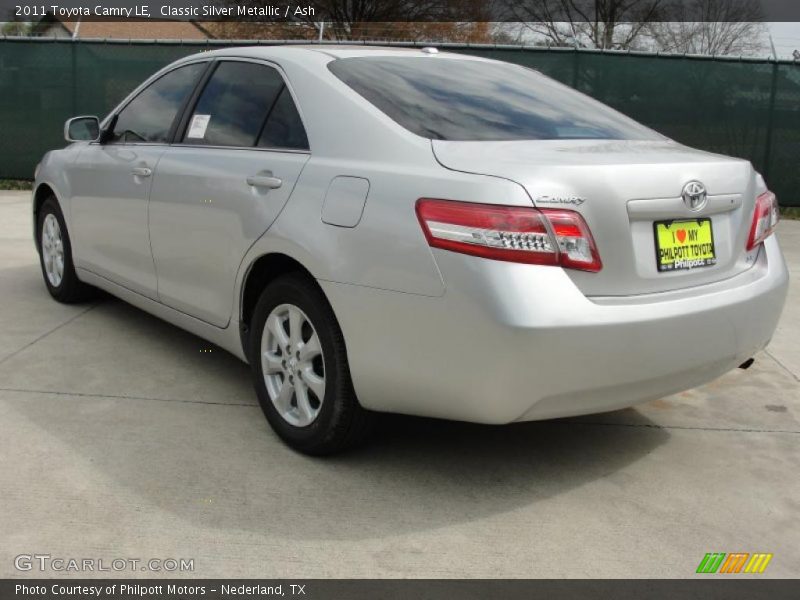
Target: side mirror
{"x": 82, "y": 129}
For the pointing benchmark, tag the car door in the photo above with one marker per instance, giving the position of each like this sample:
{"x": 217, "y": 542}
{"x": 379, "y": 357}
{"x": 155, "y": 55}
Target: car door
{"x": 216, "y": 190}
{"x": 111, "y": 183}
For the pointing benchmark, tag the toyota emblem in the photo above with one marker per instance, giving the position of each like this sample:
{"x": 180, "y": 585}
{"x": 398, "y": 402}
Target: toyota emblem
{"x": 694, "y": 195}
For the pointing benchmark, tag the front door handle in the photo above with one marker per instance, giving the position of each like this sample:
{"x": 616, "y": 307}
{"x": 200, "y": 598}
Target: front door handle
{"x": 265, "y": 181}
{"x": 142, "y": 171}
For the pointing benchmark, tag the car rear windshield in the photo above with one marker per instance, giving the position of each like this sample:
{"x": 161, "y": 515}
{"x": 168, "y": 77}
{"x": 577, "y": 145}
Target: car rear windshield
{"x": 468, "y": 100}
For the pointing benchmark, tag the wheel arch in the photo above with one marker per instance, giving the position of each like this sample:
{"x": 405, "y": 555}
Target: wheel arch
{"x": 42, "y": 192}
{"x": 262, "y": 271}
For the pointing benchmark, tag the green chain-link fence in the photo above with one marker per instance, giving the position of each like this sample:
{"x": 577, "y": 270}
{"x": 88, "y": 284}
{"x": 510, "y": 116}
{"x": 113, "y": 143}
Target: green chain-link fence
{"x": 746, "y": 108}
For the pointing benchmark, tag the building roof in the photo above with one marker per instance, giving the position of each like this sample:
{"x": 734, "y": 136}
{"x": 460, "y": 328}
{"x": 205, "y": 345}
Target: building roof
{"x": 130, "y": 29}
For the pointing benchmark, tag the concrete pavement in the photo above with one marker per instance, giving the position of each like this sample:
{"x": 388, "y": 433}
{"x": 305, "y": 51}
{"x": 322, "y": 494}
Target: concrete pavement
{"x": 124, "y": 437}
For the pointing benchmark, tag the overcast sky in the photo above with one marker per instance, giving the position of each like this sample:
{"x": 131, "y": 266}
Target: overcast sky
{"x": 786, "y": 37}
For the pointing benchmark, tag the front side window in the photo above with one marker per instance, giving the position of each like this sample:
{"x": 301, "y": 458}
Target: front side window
{"x": 234, "y": 105}
{"x": 149, "y": 116}
{"x": 469, "y": 100}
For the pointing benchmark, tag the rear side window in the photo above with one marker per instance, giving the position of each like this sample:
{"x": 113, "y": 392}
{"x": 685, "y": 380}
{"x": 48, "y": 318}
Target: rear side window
{"x": 468, "y": 100}
{"x": 149, "y": 116}
{"x": 283, "y": 128}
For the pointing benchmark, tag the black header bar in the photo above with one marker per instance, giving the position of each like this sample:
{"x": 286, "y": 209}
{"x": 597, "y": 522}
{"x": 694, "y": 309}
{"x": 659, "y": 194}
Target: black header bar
{"x": 387, "y": 11}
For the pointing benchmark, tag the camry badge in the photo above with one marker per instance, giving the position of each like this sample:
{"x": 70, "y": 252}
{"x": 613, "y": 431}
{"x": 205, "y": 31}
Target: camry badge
{"x": 574, "y": 200}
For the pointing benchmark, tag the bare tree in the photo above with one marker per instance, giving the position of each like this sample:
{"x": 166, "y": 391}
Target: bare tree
{"x": 434, "y": 32}
{"x": 424, "y": 31}
{"x": 508, "y": 33}
{"x": 15, "y": 27}
{"x": 253, "y": 30}
{"x": 586, "y": 23}
{"x": 371, "y": 19}
{"x": 715, "y": 27}
{"x": 348, "y": 19}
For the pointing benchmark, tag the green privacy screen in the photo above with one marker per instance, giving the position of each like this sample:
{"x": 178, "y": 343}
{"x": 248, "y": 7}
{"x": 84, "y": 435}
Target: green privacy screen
{"x": 744, "y": 108}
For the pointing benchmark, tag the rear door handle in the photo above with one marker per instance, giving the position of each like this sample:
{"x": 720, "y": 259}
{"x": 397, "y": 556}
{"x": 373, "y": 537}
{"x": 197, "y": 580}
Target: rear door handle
{"x": 142, "y": 171}
{"x": 264, "y": 181}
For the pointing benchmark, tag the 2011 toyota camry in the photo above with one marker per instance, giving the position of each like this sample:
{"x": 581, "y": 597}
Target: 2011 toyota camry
{"x": 415, "y": 232}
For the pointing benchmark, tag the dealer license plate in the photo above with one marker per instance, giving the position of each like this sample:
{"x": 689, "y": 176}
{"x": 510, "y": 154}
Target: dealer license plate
{"x": 685, "y": 244}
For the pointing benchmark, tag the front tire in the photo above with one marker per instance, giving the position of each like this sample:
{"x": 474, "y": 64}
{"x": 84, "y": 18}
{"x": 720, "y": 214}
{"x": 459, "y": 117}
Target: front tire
{"x": 55, "y": 256}
{"x": 300, "y": 369}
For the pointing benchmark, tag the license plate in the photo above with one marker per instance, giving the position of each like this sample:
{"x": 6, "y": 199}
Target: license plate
{"x": 685, "y": 244}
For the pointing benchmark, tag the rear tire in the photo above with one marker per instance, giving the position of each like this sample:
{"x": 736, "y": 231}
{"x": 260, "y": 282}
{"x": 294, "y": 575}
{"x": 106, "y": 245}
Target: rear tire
{"x": 55, "y": 256}
{"x": 300, "y": 369}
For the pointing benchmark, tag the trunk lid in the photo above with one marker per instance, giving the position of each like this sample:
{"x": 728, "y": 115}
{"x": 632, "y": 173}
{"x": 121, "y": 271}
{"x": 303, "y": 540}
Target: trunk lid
{"x": 621, "y": 188}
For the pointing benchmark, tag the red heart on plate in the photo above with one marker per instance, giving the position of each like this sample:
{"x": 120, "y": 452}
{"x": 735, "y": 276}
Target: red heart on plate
{"x": 681, "y": 235}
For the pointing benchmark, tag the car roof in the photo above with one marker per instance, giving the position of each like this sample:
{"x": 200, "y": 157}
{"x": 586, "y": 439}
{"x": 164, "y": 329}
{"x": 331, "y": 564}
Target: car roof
{"x": 313, "y": 52}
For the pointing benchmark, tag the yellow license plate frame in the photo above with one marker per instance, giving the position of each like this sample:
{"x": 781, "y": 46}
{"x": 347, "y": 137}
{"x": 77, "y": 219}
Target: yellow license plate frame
{"x": 684, "y": 244}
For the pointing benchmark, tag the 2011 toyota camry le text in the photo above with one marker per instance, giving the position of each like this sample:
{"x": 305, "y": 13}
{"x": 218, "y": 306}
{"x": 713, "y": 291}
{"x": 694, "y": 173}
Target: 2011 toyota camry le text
{"x": 409, "y": 231}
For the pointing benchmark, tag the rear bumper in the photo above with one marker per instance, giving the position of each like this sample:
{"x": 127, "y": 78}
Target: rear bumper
{"x": 511, "y": 342}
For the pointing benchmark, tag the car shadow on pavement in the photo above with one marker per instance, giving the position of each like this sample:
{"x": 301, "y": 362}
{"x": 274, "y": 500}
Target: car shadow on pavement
{"x": 218, "y": 465}
{"x": 448, "y": 472}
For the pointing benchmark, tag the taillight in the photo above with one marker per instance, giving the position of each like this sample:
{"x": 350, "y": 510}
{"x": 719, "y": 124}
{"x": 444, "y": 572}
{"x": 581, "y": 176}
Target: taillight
{"x": 510, "y": 233}
{"x": 575, "y": 242}
{"x": 765, "y": 219}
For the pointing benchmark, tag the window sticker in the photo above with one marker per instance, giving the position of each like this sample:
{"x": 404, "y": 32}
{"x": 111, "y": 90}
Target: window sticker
{"x": 197, "y": 129}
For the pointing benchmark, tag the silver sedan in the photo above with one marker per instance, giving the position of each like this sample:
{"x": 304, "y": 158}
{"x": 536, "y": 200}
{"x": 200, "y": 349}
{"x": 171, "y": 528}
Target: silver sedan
{"x": 382, "y": 230}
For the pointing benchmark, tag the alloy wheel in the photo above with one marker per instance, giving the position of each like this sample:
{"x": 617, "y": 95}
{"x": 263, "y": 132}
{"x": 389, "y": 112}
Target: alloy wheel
{"x": 52, "y": 250}
{"x": 293, "y": 365}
